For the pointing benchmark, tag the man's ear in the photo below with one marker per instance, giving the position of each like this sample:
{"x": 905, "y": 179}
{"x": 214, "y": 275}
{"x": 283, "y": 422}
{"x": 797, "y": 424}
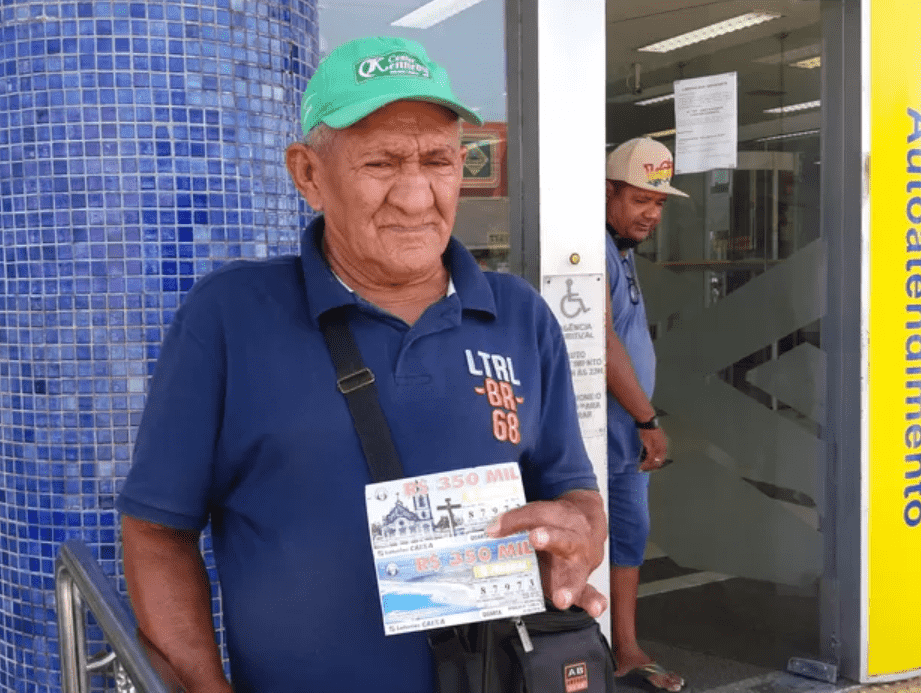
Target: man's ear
{"x": 304, "y": 166}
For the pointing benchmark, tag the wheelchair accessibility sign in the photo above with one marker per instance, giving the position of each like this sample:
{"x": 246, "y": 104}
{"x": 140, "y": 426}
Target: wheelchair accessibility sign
{"x": 578, "y": 303}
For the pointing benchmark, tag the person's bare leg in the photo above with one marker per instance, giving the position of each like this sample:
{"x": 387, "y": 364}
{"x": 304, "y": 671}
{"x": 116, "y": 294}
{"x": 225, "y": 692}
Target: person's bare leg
{"x": 627, "y": 652}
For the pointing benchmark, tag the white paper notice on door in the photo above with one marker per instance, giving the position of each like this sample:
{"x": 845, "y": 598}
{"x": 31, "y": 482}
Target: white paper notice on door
{"x": 706, "y": 123}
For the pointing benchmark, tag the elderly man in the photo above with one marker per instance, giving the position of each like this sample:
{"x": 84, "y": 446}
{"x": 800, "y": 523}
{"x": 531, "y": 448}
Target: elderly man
{"x": 244, "y": 425}
{"x": 639, "y": 174}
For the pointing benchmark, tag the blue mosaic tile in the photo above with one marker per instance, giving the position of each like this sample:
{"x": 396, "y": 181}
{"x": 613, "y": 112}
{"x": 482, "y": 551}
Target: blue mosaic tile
{"x": 132, "y": 162}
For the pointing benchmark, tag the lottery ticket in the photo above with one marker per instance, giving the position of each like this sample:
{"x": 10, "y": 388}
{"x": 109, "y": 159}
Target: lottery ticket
{"x": 435, "y": 564}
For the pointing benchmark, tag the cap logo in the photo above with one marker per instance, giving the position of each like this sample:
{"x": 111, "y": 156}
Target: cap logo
{"x": 396, "y": 64}
{"x": 658, "y": 175}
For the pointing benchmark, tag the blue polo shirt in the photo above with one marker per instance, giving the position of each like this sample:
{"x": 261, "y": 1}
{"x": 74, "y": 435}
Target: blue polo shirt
{"x": 629, "y": 315}
{"x": 244, "y": 425}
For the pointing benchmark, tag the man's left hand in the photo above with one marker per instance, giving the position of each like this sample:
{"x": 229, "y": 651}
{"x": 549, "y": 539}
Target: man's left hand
{"x": 568, "y": 534}
{"x": 656, "y": 445}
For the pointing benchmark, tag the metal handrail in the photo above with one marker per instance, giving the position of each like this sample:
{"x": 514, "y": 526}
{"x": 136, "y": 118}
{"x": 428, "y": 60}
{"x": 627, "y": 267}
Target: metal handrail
{"x": 80, "y": 586}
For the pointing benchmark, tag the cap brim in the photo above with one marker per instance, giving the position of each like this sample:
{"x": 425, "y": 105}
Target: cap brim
{"x": 351, "y": 114}
{"x": 672, "y": 191}
{"x": 667, "y": 189}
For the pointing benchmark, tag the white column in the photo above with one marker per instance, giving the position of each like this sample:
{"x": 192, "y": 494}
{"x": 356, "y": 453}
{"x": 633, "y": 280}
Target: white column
{"x": 571, "y": 115}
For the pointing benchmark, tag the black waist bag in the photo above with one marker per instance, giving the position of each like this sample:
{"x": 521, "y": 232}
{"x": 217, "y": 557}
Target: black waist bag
{"x": 551, "y": 652}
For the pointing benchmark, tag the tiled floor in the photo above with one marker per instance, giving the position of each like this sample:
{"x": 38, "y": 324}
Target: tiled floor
{"x": 723, "y": 633}
{"x": 731, "y": 635}
{"x": 908, "y": 686}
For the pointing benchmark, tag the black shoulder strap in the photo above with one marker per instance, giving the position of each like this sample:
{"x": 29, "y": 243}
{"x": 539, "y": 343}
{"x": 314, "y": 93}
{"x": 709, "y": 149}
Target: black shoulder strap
{"x": 356, "y": 382}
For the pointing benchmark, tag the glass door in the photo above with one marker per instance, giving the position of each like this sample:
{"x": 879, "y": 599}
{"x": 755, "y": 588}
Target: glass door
{"x": 734, "y": 280}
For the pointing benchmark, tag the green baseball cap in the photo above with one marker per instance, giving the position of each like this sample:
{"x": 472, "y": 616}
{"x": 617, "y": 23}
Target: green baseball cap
{"x": 360, "y": 76}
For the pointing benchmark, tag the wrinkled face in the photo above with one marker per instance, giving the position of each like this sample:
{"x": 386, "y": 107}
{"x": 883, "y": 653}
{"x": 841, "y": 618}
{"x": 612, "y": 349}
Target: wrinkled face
{"x": 634, "y": 212}
{"x": 388, "y": 187}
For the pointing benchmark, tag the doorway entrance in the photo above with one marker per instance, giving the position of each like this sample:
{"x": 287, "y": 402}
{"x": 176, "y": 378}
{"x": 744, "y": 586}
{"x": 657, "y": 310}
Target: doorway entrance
{"x": 734, "y": 282}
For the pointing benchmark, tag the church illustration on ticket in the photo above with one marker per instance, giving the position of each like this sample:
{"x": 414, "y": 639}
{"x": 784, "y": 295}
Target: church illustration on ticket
{"x": 414, "y": 521}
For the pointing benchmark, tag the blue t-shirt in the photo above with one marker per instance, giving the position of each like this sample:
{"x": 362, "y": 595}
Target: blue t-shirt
{"x": 629, "y": 315}
{"x": 244, "y": 425}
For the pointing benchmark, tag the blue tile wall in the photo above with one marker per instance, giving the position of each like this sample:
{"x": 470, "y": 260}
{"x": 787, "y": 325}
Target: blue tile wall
{"x": 141, "y": 145}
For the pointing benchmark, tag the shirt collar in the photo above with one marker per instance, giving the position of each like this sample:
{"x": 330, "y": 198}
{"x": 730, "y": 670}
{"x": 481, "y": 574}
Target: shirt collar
{"x": 326, "y": 291}
{"x": 450, "y": 291}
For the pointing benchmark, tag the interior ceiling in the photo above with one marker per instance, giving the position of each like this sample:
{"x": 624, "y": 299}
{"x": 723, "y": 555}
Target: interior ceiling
{"x": 471, "y": 42}
{"x": 764, "y": 80}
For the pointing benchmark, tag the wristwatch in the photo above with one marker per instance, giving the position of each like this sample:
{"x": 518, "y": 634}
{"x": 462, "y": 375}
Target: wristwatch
{"x": 648, "y": 425}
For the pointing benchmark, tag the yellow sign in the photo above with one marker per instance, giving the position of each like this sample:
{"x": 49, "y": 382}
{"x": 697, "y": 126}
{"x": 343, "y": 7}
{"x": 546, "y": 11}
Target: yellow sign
{"x": 894, "y": 518}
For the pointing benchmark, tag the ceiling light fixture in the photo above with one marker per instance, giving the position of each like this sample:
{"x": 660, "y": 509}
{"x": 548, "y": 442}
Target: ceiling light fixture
{"x": 806, "y": 105}
{"x": 808, "y": 63}
{"x": 433, "y": 12}
{"x": 743, "y": 21}
{"x": 655, "y": 99}
{"x": 802, "y": 133}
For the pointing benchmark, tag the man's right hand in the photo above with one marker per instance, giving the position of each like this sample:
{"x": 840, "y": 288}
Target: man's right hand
{"x": 656, "y": 445}
{"x": 171, "y": 597}
{"x": 568, "y": 534}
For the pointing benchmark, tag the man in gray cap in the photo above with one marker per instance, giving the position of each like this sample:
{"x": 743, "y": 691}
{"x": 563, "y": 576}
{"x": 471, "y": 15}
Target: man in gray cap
{"x": 639, "y": 176}
{"x": 244, "y": 425}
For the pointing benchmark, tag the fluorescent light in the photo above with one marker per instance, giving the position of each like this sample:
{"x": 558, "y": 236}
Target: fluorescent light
{"x": 433, "y": 12}
{"x": 801, "y": 133}
{"x": 806, "y": 105}
{"x": 655, "y": 99}
{"x": 808, "y": 63}
{"x": 743, "y": 21}
{"x": 660, "y": 133}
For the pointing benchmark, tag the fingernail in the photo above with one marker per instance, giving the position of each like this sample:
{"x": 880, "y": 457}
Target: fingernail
{"x": 567, "y": 598}
{"x": 541, "y": 537}
{"x": 493, "y": 527}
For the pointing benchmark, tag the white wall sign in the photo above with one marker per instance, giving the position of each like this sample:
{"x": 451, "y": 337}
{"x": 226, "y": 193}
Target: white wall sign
{"x": 706, "y": 123}
{"x": 582, "y": 321}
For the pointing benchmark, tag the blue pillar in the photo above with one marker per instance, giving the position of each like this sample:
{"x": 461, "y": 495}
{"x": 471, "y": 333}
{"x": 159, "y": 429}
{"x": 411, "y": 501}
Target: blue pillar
{"x": 141, "y": 145}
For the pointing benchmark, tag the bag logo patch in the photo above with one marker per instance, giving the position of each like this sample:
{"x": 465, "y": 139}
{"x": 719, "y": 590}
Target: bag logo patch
{"x": 575, "y": 677}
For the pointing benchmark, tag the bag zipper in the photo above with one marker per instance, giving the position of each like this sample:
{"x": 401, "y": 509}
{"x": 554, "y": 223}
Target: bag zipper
{"x": 523, "y": 634}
